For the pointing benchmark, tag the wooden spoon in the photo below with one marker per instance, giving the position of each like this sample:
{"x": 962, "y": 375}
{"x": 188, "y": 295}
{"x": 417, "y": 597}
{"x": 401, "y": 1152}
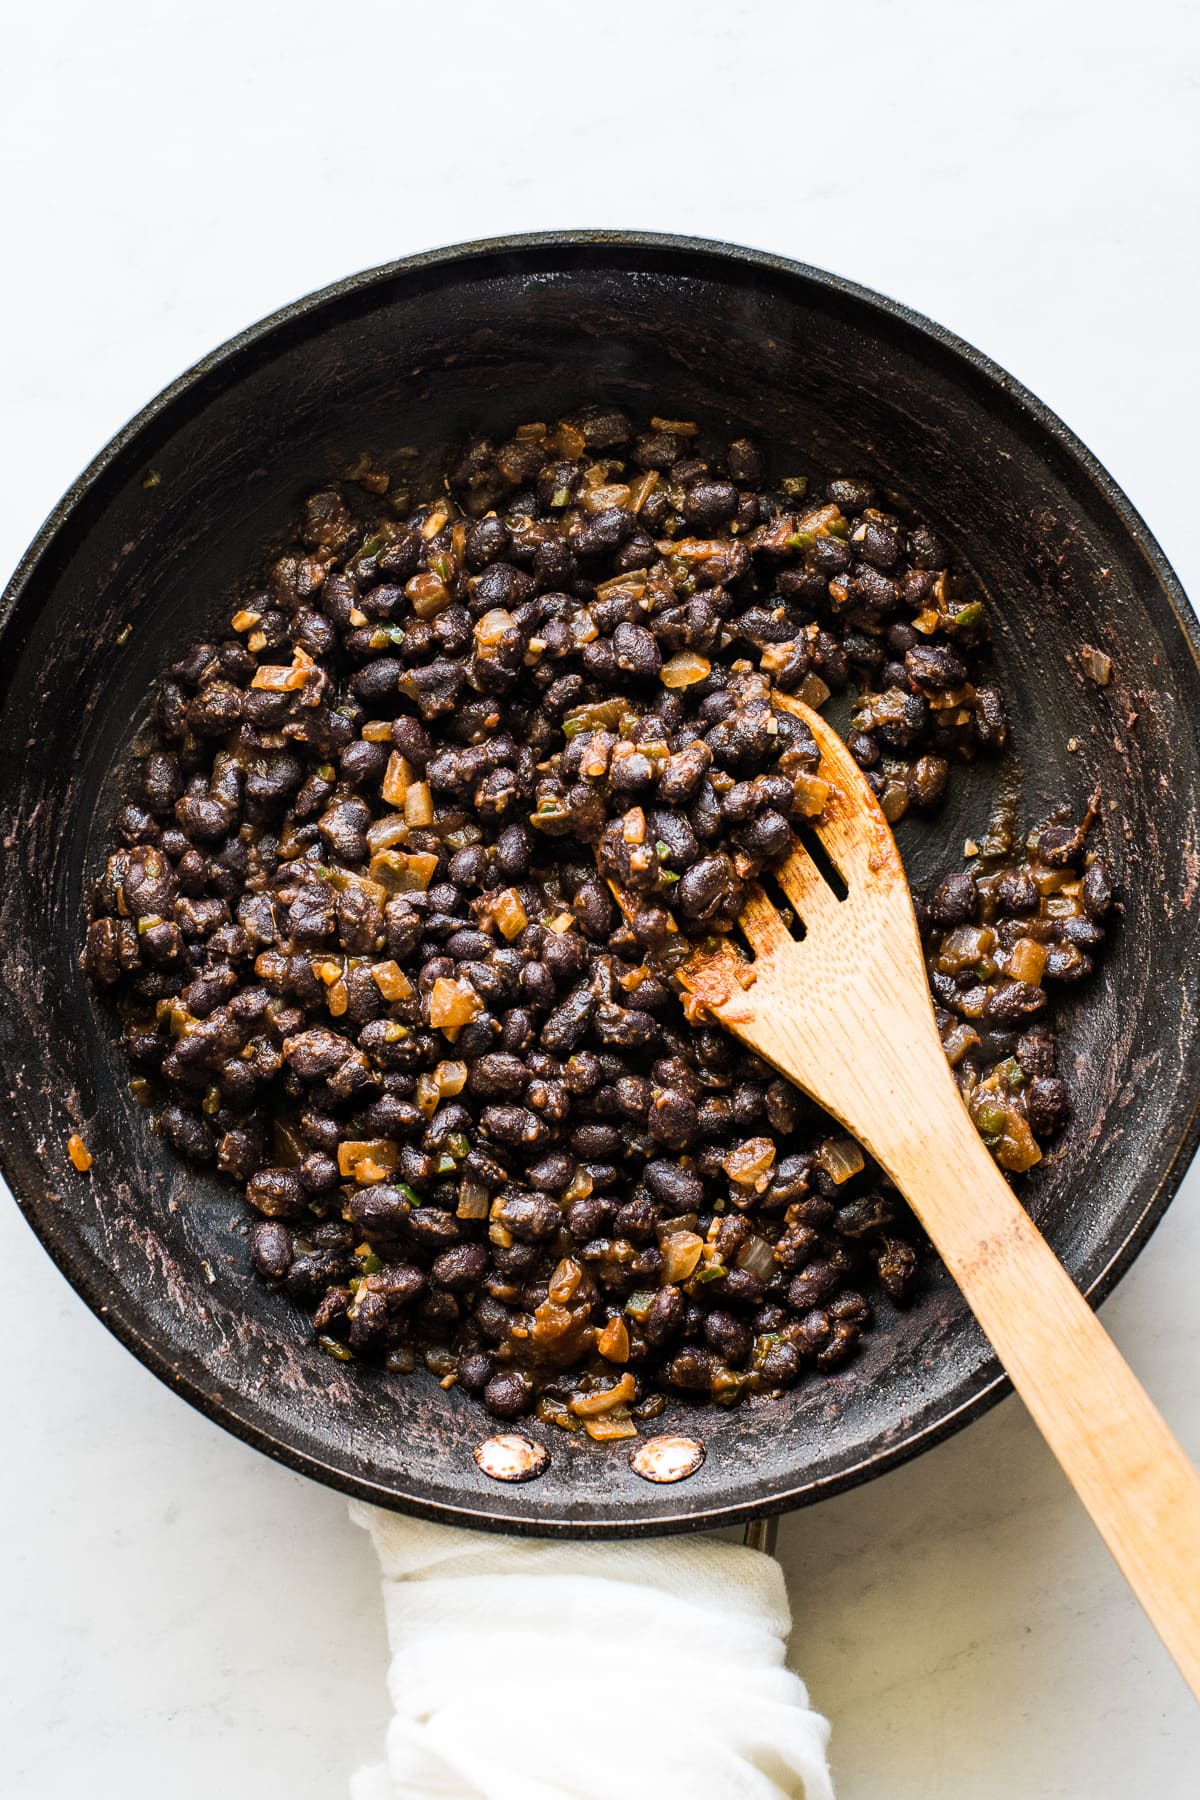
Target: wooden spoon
{"x": 844, "y": 1011}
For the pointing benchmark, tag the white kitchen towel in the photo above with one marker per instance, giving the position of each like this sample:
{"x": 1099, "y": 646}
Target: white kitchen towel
{"x": 523, "y": 1669}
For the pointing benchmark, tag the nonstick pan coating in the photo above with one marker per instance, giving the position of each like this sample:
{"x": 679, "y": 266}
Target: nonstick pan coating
{"x": 189, "y": 497}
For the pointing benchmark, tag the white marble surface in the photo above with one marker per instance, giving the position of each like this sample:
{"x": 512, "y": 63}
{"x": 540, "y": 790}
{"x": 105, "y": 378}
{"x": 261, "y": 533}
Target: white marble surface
{"x": 181, "y": 1616}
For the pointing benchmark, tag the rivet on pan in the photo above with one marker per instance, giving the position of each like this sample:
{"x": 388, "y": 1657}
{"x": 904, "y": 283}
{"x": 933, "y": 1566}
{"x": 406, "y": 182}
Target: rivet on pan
{"x": 667, "y": 1458}
{"x": 511, "y": 1457}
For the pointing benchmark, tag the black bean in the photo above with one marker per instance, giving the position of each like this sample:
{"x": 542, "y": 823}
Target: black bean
{"x": 318, "y": 1173}
{"x": 271, "y": 1249}
{"x": 1012, "y": 1001}
{"x": 728, "y": 1335}
{"x": 309, "y": 1276}
{"x": 683, "y": 773}
{"x": 514, "y": 849}
{"x": 955, "y": 899}
{"x": 878, "y": 543}
{"x": 705, "y": 888}
{"x": 767, "y": 836}
{"x": 896, "y": 1262}
{"x": 381, "y": 1211}
{"x": 709, "y": 504}
{"x": 508, "y": 1394}
{"x": 531, "y": 1217}
{"x": 1066, "y": 962}
{"x": 461, "y": 1267}
{"x": 432, "y": 1227}
{"x": 745, "y": 462}
{"x": 496, "y": 1074}
{"x": 1081, "y": 931}
{"x": 851, "y": 493}
{"x": 991, "y": 719}
{"x": 593, "y": 906}
{"x": 1097, "y": 890}
{"x": 780, "y": 1365}
{"x": 926, "y": 780}
{"x": 487, "y": 541}
{"x": 277, "y": 1193}
{"x": 636, "y": 1219}
{"x": 664, "y": 1321}
{"x": 693, "y": 1369}
{"x": 568, "y": 1024}
{"x": 1047, "y": 1104}
{"x": 516, "y": 1031}
{"x": 676, "y": 1186}
{"x": 1015, "y": 891}
{"x": 552, "y": 1173}
{"x": 475, "y": 1370}
{"x": 368, "y": 1317}
{"x": 842, "y": 1343}
{"x": 673, "y": 1119}
{"x": 818, "y": 1280}
{"x": 603, "y": 531}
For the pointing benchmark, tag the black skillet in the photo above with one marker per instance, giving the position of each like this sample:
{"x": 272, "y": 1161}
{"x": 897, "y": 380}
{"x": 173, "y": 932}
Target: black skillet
{"x": 140, "y": 558}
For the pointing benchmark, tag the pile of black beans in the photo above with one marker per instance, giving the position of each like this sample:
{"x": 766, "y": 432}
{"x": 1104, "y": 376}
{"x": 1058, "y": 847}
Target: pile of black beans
{"x": 359, "y": 925}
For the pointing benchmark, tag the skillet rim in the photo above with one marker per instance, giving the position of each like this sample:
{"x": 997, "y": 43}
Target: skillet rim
{"x": 29, "y": 1193}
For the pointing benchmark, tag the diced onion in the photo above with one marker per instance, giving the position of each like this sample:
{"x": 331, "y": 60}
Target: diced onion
{"x": 680, "y": 1254}
{"x": 550, "y": 1322}
{"x": 367, "y": 1160}
{"x": 473, "y": 1198}
{"x": 1097, "y": 665}
{"x": 565, "y": 1279}
{"x": 811, "y": 793}
{"x": 608, "y": 494}
{"x": 384, "y": 834}
{"x": 607, "y": 1428}
{"x": 391, "y": 980}
{"x": 965, "y": 946}
{"x": 1017, "y": 1149}
{"x": 418, "y": 805}
{"x": 452, "y": 1004}
{"x": 590, "y": 1406}
{"x": 840, "y": 1158}
{"x": 1027, "y": 960}
{"x": 613, "y": 1342}
{"x": 684, "y": 668}
{"x": 492, "y": 627}
{"x": 399, "y": 873}
{"x": 749, "y": 1164}
{"x": 508, "y": 910}
{"x": 397, "y": 778}
{"x": 279, "y": 678}
{"x": 757, "y": 1258}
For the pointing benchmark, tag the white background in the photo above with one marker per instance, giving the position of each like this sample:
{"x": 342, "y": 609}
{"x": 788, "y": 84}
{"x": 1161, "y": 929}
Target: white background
{"x": 180, "y": 1616}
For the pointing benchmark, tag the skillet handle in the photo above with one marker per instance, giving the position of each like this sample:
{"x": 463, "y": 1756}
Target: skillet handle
{"x": 762, "y": 1534}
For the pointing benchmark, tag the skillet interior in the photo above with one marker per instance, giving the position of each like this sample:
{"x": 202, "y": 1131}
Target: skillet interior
{"x": 419, "y": 353}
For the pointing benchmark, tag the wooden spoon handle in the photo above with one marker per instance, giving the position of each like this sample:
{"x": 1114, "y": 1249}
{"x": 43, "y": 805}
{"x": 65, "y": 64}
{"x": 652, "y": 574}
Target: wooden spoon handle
{"x": 1126, "y": 1466}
